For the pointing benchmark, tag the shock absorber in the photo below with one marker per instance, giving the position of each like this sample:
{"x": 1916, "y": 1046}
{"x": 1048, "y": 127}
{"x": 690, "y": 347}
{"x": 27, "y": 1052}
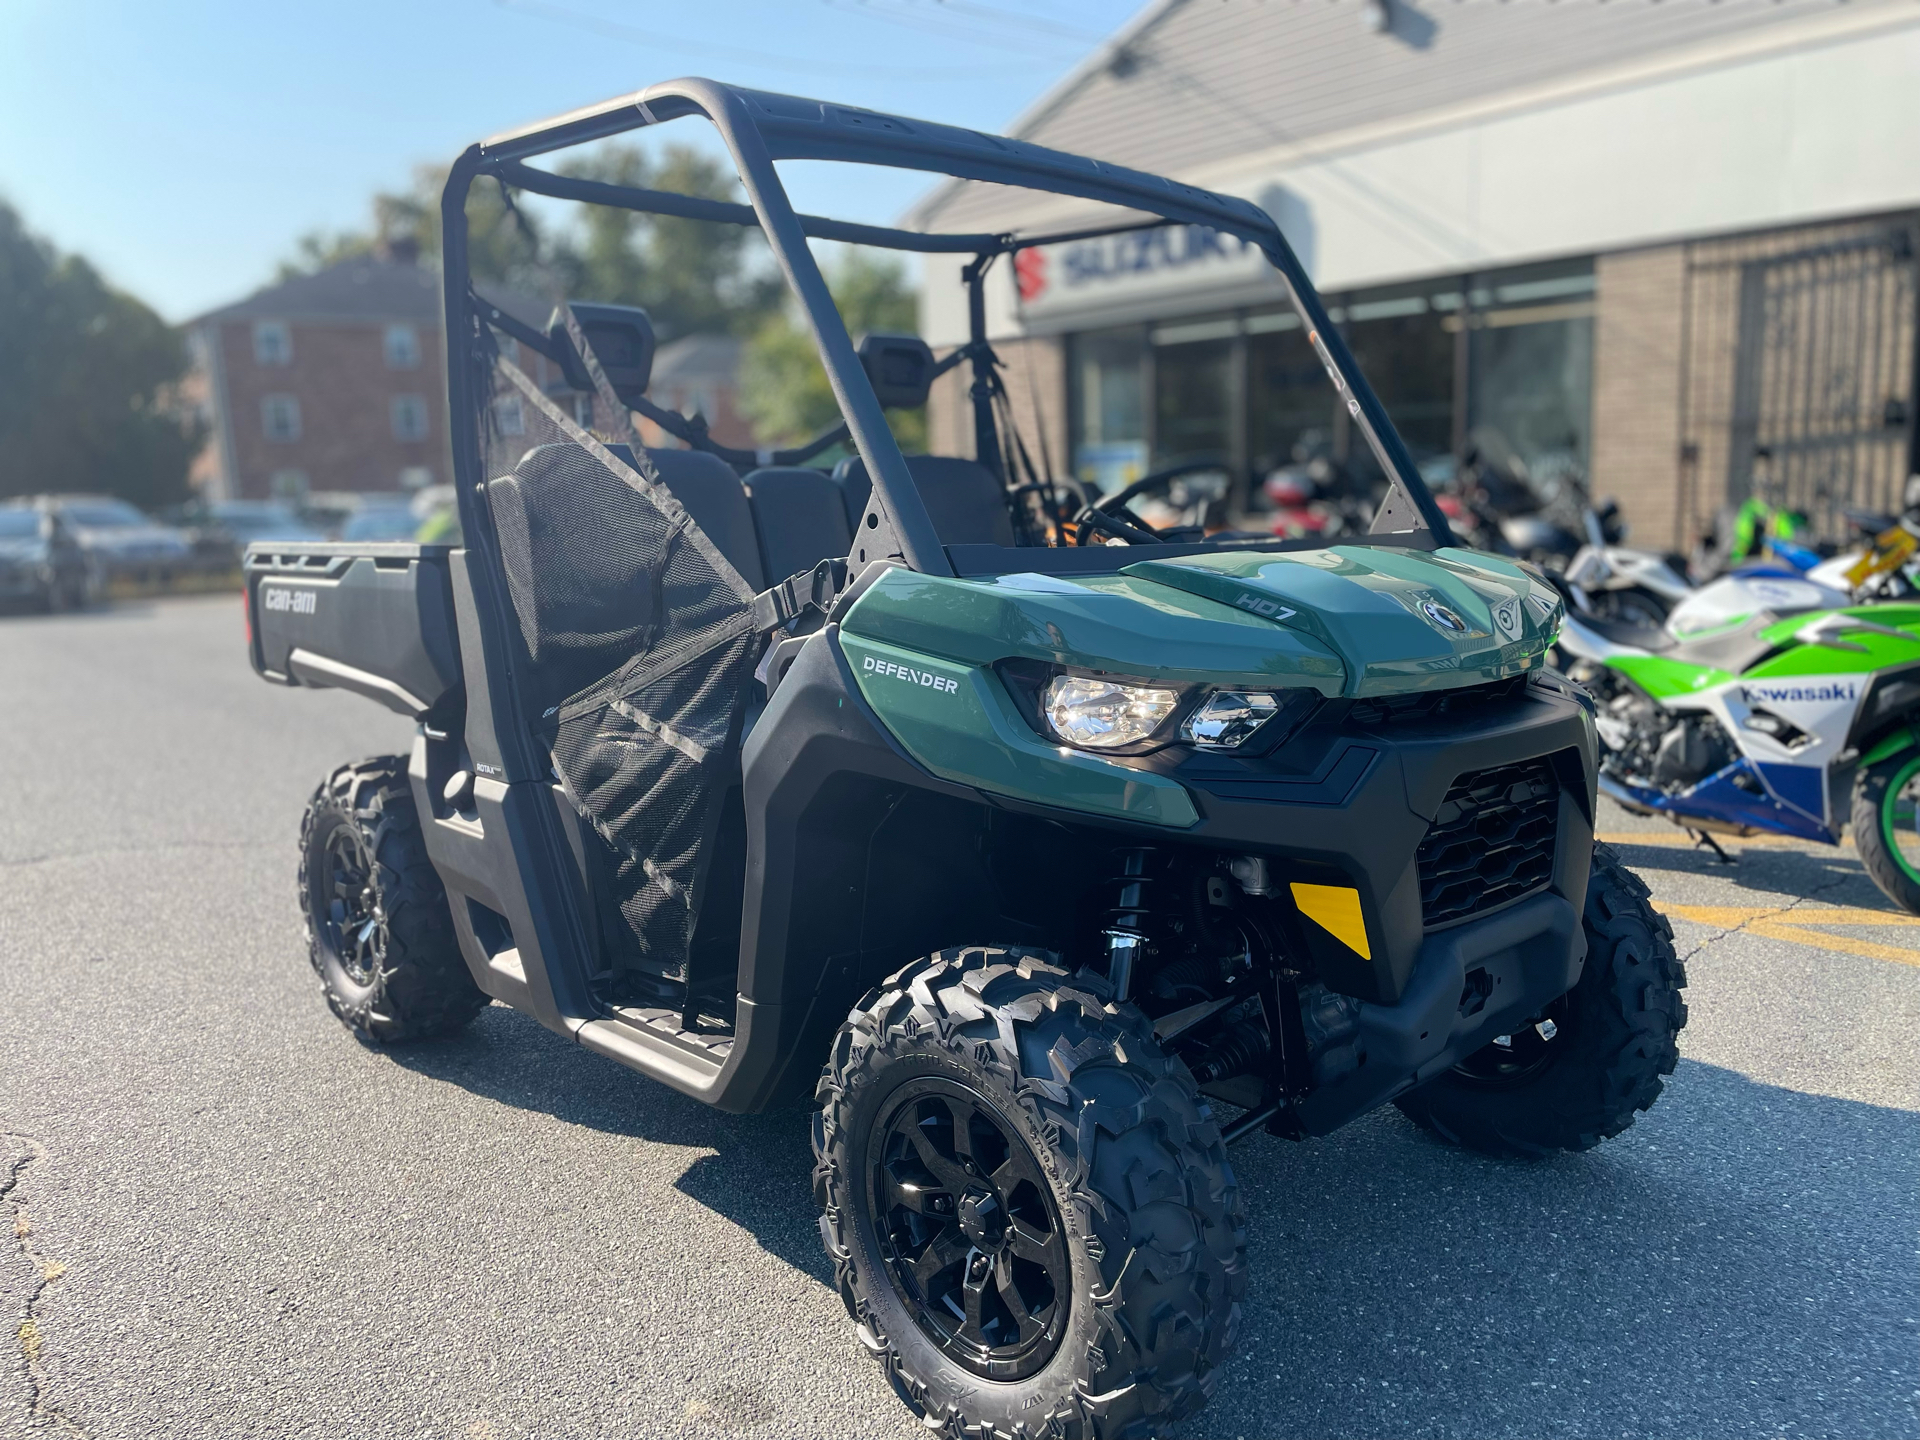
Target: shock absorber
{"x": 1136, "y": 893}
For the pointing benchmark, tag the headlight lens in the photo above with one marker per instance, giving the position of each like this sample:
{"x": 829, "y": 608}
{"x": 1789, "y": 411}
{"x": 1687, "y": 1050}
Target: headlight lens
{"x": 1096, "y": 714}
{"x": 1230, "y": 718}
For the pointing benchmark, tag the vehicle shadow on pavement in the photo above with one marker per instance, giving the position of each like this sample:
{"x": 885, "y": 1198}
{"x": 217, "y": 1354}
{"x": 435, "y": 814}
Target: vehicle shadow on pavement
{"x": 1738, "y": 1262}
{"x": 1819, "y": 875}
{"x": 1732, "y": 1263}
{"x": 760, "y": 1172}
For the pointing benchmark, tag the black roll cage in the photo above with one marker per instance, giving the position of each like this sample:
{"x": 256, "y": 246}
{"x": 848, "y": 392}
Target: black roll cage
{"x": 759, "y": 128}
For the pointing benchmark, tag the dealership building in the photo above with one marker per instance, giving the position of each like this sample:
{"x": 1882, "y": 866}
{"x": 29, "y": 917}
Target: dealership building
{"x": 1667, "y": 244}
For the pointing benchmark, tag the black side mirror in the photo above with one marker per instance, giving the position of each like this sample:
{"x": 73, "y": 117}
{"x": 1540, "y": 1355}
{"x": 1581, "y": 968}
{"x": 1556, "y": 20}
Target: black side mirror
{"x": 900, "y": 368}
{"x": 621, "y": 337}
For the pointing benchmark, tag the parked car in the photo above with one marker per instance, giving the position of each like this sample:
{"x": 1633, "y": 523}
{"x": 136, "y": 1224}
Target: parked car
{"x": 218, "y": 532}
{"x": 41, "y": 562}
{"x": 120, "y": 540}
{"x": 381, "y": 522}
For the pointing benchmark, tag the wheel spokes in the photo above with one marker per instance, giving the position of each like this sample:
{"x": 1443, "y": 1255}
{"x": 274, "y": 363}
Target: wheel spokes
{"x": 1011, "y": 1297}
{"x": 945, "y": 1251}
{"x": 1029, "y": 1244}
{"x": 973, "y": 1291}
{"x": 951, "y": 1174}
{"x": 914, "y": 1196}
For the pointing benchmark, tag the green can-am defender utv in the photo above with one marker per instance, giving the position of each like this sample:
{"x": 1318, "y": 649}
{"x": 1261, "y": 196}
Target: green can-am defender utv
{"x": 1029, "y": 840}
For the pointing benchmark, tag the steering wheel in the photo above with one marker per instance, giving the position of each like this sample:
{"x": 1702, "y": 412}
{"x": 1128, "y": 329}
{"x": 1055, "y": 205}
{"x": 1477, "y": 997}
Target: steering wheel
{"x": 1100, "y": 514}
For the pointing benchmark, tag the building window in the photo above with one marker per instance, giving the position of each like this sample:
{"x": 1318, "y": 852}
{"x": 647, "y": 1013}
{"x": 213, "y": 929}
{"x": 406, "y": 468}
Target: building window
{"x": 1404, "y": 342}
{"x": 272, "y": 342}
{"x": 583, "y": 411}
{"x": 288, "y": 485}
{"x": 409, "y": 417}
{"x": 1110, "y": 379}
{"x": 403, "y": 347}
{"x": 280, "y": 417}
{"x": 509, "y": 417}
{"x": 1531, "y": 395}
{"x": 1289, "y": 403}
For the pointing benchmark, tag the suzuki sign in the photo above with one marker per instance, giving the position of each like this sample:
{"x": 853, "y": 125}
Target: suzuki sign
{"x": 1134, "y": 274}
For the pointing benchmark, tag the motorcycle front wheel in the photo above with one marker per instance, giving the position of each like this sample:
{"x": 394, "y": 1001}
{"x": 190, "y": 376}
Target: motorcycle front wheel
{"x": 1886, "y": 797}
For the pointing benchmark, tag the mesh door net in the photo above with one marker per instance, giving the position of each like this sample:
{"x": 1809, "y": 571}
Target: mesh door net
{"x": 640, "y": 642}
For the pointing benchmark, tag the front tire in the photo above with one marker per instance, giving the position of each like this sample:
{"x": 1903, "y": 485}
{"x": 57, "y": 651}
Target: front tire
{"x": 1027, "y": 1203}
{"x": 379, "y": 931}
{"x": 1578, "y": 1073}
{"x": 1885, "y": 797}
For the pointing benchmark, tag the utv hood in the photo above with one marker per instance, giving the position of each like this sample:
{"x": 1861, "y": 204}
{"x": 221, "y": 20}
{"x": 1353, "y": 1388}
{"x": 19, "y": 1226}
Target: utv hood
{"x": 1354, "y": 620}
{"x": 1398, "y": 619}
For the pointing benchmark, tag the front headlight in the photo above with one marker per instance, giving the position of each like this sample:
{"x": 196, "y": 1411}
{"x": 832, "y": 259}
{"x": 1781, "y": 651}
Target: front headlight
{"x": 1096, "y": 714}
{"x": 1229, "y": 718}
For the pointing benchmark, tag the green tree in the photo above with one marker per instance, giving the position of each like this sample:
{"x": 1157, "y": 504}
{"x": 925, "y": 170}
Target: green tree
{"x": 784, "y": 392}
{"x": 505, "y": 244}
{"x": 689, "y": 275}
{"x": 88, "y": 378}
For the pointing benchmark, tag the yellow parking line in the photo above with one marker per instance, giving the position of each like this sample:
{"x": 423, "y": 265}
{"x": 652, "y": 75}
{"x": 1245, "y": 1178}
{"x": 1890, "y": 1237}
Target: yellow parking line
{"x": 1775, "y": 922}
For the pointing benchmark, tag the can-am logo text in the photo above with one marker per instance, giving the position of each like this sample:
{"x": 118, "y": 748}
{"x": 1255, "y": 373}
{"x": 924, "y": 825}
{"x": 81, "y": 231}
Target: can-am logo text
{"x": 294, "y": 602}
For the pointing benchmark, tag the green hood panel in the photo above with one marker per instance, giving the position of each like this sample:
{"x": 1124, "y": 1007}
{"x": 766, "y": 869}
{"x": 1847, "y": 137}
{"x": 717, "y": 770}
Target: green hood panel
{"x": 1113, "y": 623}
{"x": 958, "y": 721}
{"x": 1351, "y": 620}
{"x": 1401, "y": 620}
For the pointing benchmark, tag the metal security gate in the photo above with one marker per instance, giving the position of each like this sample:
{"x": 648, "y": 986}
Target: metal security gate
{"x": 1798, "y": 382}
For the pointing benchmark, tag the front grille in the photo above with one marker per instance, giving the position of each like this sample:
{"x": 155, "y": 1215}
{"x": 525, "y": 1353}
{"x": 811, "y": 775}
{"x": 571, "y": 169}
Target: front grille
{"x": 1491, "y": 842}
{"x": 1383, "y": 710}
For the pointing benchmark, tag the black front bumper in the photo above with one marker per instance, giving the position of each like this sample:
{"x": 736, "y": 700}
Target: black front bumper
{"x": 1517, "y": 960}
{"x": 1350, "y": 801}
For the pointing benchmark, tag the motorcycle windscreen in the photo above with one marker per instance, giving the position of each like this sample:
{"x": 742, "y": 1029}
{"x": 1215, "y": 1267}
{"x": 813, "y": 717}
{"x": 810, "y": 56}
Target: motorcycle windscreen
{"x": 639, "y": 649}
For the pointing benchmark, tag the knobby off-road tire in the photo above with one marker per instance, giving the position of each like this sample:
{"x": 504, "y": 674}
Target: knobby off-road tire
{"x": 379, "y": 932}
{"x": 1613, "y": 1037}
{"x": 1876, "y": 791}
{"x": 1123, "y": 1158}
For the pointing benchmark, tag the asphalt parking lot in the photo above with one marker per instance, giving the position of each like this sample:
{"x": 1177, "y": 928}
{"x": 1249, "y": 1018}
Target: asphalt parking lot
{"x": 230, "y": 1219}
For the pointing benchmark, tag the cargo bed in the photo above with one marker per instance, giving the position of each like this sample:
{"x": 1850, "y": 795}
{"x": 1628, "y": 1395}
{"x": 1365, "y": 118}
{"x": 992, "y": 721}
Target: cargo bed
{"x": 376, "y": 619}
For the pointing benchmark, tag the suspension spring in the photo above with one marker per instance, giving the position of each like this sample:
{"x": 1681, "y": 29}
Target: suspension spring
{"x": 1136, "y": 893}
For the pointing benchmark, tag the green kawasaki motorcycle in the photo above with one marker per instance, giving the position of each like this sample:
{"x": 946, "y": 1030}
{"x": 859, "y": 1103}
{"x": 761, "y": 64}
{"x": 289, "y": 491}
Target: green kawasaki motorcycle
{"x": 1770, "y": 721}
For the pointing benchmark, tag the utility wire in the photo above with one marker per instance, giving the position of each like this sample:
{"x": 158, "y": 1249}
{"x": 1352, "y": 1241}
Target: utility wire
{"x": 952, "y": 17}
{"x": 654, "y": 40}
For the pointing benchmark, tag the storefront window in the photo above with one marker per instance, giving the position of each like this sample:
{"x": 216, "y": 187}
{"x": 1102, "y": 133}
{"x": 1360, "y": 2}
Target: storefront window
{"x": 1289, "y": 403}
{"x": 1193, "y": 400}
{"x": 1532, "y": 358}
{"x": 1403, "y": 345}
{"x": 1110, "y": 391}
{"x": 1246, "y": 389}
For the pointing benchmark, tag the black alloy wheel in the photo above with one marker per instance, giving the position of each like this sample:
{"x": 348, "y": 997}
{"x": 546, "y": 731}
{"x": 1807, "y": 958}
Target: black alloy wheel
{"x": 354, "y": 925}
{"x": 1515, "y": 1059}
{"x": 968, "y": 1229}
{"x": 379, "y": 929}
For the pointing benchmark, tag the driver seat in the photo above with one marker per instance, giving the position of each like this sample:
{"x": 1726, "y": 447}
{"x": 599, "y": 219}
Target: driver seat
{"x": 967, "y": 504}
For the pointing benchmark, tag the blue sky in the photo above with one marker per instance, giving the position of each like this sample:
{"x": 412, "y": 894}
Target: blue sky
{"x": 183, "y": 148}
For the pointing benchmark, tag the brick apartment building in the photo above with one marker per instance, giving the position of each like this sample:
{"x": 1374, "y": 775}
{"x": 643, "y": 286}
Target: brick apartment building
{"x": 333, "y": 381}
{"x": 1669, "y": 244}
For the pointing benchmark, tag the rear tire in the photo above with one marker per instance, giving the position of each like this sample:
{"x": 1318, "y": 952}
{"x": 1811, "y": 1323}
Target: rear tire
{"x": 1594, "y": 1059}
{"x": 1884, "y": 827}
{"x": 379, "y": 932}
{"x": 1114, "y": 1184}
